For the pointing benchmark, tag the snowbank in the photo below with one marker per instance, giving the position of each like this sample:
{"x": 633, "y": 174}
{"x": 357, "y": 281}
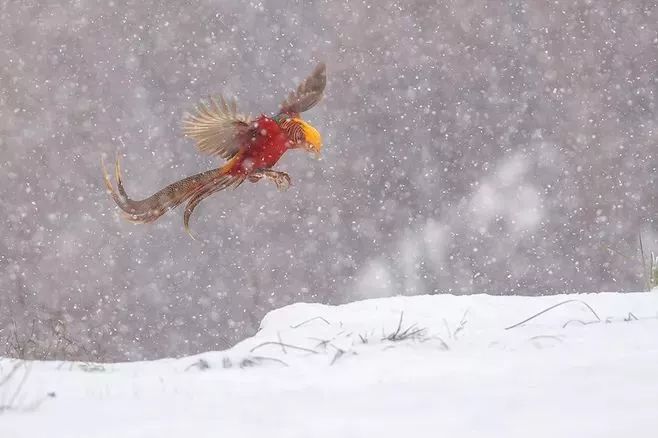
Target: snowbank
{"x": 414, "y": 366}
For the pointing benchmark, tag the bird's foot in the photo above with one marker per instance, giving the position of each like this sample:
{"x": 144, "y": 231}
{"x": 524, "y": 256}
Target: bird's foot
{"x": 281, "y": 179}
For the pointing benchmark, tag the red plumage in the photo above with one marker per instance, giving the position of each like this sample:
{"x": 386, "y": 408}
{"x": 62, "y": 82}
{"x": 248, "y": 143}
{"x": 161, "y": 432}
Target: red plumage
{"x": 262, "y": 148}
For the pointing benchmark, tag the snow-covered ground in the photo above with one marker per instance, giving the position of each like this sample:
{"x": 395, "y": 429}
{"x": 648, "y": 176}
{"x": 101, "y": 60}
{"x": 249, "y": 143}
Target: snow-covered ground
{"x": 425, "y": 366}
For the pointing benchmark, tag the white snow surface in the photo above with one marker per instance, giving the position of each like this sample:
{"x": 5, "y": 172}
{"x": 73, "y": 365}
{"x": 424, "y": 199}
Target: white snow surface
{"x": 462, "y": 375}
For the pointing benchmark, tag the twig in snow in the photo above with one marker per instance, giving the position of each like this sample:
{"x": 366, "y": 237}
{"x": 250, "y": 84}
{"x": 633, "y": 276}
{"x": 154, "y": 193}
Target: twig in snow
{"x": 310, "y": 320}
{"x": 553, "y": 307}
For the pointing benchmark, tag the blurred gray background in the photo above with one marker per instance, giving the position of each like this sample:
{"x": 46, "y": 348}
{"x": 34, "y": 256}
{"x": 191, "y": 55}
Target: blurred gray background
{"x": 470, "y": 147}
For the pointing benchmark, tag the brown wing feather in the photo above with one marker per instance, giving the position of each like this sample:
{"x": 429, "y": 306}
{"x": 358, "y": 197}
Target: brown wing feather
{"x": 217, "y": 128}
{"x": 308, "y": 93}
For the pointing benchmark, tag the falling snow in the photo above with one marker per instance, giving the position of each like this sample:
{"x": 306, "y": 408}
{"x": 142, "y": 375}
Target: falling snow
{"x": 469, "y": 147}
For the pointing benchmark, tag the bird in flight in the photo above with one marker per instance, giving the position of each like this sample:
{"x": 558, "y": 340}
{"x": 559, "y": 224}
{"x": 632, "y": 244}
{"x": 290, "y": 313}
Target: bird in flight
{"x": 251, "y": 146}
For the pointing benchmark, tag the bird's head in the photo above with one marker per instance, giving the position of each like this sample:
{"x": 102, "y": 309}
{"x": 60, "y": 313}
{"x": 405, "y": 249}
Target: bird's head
{"x": 312, "y": 139}
{"x": 302, "y": 134}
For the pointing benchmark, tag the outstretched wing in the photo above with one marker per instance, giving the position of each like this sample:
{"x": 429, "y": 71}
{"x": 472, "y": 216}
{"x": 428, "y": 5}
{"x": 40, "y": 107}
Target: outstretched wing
{"x": 217, "y": 128}
{"x": 308, "y": 93}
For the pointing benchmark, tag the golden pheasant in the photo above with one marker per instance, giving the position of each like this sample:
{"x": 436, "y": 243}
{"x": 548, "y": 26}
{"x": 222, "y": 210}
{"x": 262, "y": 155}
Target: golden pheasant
{"x": 251, "y": 146}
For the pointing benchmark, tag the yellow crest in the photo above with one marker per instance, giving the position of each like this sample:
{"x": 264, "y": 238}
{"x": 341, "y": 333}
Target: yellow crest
{"x": 311, "y": 135}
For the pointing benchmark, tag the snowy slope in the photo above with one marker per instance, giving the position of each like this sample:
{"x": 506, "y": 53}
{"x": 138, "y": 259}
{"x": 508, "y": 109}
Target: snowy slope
{"x": 425, "y": 366}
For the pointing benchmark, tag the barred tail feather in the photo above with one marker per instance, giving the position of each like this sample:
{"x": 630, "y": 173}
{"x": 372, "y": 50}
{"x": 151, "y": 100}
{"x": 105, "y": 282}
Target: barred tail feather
{"x": 192, "y": 189}
{"x": 217, "y": 184}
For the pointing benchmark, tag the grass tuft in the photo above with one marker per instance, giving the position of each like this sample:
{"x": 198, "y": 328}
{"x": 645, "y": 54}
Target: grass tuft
{"x": 402, "y": 334}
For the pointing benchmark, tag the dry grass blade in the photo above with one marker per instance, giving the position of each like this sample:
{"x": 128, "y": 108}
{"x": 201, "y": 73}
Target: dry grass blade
{"x": 10, "y": 401}
{"x": 201, "y": 364}
{"x": 580, "y": 321}
{"x": 553, "y": 307}
{"x": 283, "y": 346}
{"x": 280, "y": 344}
{"x": 339, "y": 353}
{"x": 556, "y": 338}
{"x": 11, "y": 373}
{"x": 257, "y": 360}
{"x": 310, "y": 320}
{"x": 271, "y": 359}
{"x": 321, "y": 342}
{"x": 631, "y": 317}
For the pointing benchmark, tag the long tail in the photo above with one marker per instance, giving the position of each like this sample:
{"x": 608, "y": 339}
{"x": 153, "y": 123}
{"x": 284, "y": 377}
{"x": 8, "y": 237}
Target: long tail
{"x": 193, "y": 189}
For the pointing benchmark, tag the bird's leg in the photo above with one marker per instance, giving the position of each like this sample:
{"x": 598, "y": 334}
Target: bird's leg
{"x": 281, "y": 179}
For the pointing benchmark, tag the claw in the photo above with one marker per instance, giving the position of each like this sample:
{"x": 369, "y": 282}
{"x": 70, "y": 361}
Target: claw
{"x": 282, "y": 181}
